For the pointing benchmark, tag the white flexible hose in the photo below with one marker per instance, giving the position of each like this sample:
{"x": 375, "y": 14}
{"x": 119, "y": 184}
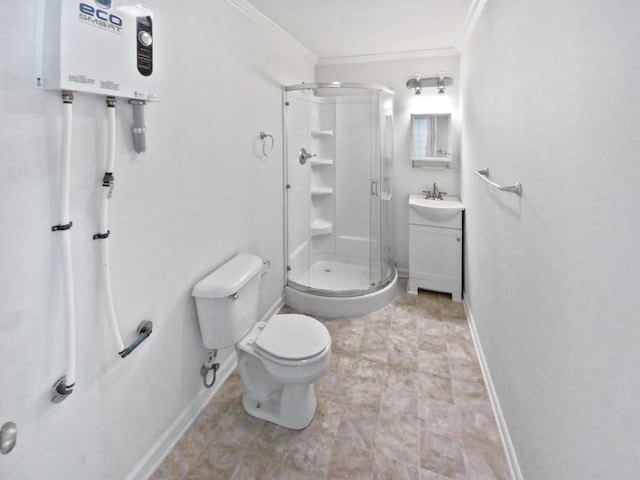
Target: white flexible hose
{"x": 66, "y": 244}
{"x": 111, "y": 144}
{"x": 104, "y": 228}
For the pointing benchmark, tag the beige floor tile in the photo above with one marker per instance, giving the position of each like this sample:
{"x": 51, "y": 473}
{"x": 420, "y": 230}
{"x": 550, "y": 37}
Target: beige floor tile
{"x": 350, "y": 461}
{"x": 427, "y": 475}
{"x": 432, "y": 342}
{"x": 374, "y": 345}
{"x": 404, "y": 399}
{"x": 442, "y": 455}
{"x": 486, "y": 463}
{"x": 435, "y": 363}
{"x": 309, "y": 454}
{"x": 401, "y": 379}
{"x": 433, "y": 387}
{"x": 391, "y": 469}
{"x": 399, "y": 441}
{"x": 438, "y": 417}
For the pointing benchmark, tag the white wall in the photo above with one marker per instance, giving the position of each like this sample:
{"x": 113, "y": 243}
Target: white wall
{"x": 197, "y": 196}
{"x": 394, "y": 74}
{"x": 550, "y": 98}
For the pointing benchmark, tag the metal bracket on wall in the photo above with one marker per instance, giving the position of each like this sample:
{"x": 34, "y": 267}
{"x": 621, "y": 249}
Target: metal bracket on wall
{"x": 8, "y": 437}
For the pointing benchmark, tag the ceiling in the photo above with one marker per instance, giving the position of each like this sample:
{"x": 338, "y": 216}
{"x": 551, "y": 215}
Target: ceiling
{"x": 335, "y": 29}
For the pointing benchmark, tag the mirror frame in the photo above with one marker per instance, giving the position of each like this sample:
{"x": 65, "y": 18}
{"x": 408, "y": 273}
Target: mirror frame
{"x": 432, "y": 161}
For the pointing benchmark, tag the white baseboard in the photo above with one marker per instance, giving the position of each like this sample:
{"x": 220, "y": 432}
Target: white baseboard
{"x": 275, "y": 308}
{"x": 509, "y": 451}
{"x": 157, "y": 453}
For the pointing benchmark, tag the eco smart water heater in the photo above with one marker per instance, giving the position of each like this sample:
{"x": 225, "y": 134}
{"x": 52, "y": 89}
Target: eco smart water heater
{"x": 99, "y": 46}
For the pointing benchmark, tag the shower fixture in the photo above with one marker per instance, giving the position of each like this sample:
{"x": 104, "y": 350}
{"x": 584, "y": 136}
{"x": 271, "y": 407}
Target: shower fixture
{"x": 418, "y": 83}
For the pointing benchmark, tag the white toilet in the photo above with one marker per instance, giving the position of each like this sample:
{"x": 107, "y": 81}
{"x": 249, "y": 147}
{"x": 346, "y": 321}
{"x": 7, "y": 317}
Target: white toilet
{"x": 279, "y": 359}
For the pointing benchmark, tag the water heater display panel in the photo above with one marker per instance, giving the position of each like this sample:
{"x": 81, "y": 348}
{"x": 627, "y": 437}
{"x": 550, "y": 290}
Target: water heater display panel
{"x": 100, "y": 46}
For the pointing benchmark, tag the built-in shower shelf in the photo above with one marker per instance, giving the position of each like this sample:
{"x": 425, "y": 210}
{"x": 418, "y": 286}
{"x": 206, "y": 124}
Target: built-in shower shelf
{"x": 321, "y": 191}
{"x": 321, "y": 227}
{"x": 321, "y": 162}
{"x": 322, "y": 133}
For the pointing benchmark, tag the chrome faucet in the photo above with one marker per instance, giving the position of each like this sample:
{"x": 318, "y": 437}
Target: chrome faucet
{"x": 435, "y": 193}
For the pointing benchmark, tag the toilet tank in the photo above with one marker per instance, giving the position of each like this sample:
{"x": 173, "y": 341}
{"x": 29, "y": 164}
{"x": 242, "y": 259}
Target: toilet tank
{"x": 227, "y": 301}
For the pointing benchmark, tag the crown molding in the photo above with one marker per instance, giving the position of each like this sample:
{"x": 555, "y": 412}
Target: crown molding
{"x": 386, "y": 57}
{"x": 250, "y": 11}
{"x": 473, "y": 15}
{"x": 471, "y": 20}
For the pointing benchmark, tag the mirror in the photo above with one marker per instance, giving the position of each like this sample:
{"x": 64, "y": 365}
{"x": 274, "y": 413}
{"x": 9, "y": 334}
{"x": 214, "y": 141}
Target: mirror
{"x": 431, "y": 137}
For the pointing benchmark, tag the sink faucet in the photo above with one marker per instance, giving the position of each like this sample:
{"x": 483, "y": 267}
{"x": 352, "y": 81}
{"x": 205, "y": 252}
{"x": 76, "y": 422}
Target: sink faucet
{"x": 435, "y": 193}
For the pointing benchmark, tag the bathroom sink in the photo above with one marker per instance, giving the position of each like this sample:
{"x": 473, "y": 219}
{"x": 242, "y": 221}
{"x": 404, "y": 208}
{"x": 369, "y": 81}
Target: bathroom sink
{"x": 435, "y": 209}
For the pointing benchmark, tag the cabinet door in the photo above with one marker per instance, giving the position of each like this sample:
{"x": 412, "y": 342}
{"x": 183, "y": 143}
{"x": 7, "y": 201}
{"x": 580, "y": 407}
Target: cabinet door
{"x": 435, "y": 257}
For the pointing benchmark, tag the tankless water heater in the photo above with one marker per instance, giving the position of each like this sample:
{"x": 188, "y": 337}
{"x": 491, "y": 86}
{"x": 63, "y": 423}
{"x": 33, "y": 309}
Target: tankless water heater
{"x": 106, "y": 47}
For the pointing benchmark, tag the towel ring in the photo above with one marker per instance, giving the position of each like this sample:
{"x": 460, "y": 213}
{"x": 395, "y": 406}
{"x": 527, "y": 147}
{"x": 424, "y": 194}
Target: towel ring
{"x": 263, "y": 137}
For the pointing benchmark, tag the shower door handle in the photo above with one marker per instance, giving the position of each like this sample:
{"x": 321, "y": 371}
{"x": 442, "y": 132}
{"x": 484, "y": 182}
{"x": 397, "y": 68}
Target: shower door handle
{"x": 374, "y": 188}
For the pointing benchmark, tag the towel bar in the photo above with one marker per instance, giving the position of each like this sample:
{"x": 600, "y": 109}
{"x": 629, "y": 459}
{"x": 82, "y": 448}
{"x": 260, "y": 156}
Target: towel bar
{"x": 484, "y": 175}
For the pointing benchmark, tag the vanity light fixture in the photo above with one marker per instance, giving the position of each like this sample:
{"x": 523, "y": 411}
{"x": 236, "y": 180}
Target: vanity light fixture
{"x": 415, "y": 84}
{"x": 439, "y": 82}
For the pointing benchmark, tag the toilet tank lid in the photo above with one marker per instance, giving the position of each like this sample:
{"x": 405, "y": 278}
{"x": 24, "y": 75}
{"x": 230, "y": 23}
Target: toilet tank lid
{"x": 228, "y": 278}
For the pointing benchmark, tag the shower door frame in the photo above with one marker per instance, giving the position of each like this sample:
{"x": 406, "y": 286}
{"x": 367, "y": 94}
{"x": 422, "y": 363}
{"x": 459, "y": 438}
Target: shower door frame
{"x": 306, "y": 288}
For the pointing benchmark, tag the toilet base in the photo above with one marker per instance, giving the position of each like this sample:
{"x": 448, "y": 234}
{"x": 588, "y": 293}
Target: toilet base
{"x": 297, "y": 402}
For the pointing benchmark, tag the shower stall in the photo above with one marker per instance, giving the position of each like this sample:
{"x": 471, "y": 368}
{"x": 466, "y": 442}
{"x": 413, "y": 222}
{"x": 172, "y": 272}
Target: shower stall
{"x": 339, "y": 144}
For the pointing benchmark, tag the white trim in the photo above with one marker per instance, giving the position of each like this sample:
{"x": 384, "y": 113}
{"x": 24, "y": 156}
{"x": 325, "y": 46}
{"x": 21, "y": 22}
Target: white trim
{"x": 509, "y": 451}
{"x": 385, "y": 57}
{"x": 470, "y": 23}
{"x": 158, "y": 452}
{"x": 258, "y": 17}
{"x": 475, "y": 10}
{"x": 275, "y": 308}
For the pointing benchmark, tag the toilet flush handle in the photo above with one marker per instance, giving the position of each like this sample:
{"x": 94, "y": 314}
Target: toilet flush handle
{"x": 234, "y": 296}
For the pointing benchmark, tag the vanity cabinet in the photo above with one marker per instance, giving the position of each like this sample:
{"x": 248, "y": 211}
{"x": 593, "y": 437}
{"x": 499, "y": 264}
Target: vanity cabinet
{"x": 435, "y": 255}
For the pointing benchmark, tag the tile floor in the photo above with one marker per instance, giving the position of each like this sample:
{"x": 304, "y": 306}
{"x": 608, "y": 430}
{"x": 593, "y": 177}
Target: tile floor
{"x": 404, "y": 399}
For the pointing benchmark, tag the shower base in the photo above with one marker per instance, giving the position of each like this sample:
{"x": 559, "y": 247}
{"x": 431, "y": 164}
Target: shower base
{"x": 336, "y": 275}
{"x": 339, "y": 289}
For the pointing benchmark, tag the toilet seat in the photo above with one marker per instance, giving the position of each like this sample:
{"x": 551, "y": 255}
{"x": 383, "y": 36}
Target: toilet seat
{"x": 292, "y": 337}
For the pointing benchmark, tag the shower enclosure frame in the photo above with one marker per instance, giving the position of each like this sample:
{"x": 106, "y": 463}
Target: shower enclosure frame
{"x": 350, "y": 301}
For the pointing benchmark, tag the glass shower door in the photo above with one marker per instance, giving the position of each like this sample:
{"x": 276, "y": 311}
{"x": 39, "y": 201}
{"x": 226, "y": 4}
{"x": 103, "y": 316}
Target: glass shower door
{"x": 297, "y": 111}
{"x": 382, "y": 154}
{"x": 386, "y": 168}
{"x": 375, "y": 253}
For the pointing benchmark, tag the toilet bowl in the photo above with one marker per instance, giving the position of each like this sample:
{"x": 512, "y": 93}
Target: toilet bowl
{"x": 278, "y": 360}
